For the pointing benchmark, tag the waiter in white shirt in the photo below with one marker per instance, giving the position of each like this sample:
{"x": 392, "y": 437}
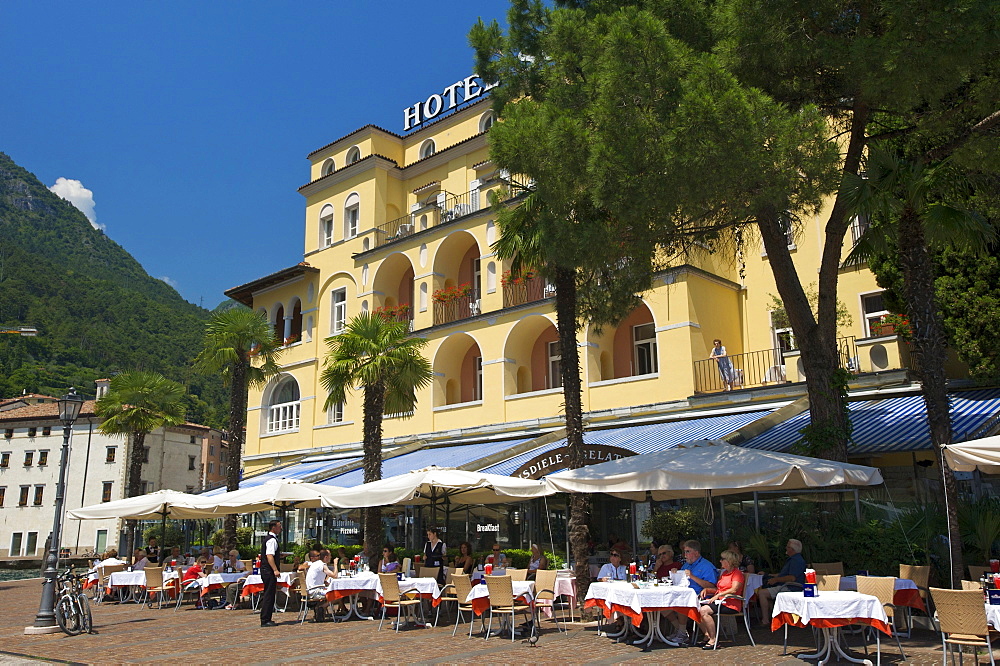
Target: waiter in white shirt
{"x": 269, "y": 573}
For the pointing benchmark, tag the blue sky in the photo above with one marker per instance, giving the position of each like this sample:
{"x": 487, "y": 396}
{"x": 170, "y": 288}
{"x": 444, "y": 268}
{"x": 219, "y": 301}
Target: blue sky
{"x": 190, "y": 122}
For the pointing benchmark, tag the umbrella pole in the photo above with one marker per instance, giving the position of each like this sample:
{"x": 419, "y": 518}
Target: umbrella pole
{"x": 163, "y": 527}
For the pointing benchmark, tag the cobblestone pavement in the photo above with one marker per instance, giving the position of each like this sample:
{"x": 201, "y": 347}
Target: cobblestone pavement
{"x": 132, "y": 634}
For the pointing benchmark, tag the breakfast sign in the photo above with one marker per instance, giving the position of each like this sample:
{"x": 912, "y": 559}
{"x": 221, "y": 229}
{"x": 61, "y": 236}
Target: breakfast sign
{"x": 557, "y": 459}
{"x": 452, "y": 96}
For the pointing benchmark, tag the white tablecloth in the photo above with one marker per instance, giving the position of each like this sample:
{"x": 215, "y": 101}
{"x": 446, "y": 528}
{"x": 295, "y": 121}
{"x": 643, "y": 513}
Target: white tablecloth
{"x": 286, "y": 578}
{"x": 850, "y": 584}
{"x": 126, "y": 578}
{"x": 522, "y": 588}
{"x": 659, "y": 596}
{"x": 993, "y": 616}
{"x": 829, "y": 606}
{"x": 422, "y": 585}
{"x": 753, "y": 581}
{"x": 365, "y": 581}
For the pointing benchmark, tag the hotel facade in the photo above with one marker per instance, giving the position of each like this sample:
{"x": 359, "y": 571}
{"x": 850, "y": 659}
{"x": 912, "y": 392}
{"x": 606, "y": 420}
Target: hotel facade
{"x": 402, "y": 224}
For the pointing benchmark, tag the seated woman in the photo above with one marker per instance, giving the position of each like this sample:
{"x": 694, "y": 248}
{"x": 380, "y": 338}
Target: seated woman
{"x": 721, "y": 599}
{"x": 388, "y": 563}
{"x": 193, "y": 573}
{"x": 538, "y": 561}
{"x": 746, "y": 562}
{"x": 464, "y": 561}
{"x": 665, "y": 562}
{"x": 234, "y": 564}
{"x": 110, "y": 558}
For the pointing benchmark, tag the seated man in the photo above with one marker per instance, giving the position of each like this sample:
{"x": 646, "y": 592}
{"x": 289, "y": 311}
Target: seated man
{"x": 701, "y": 575}
{"x": 316, "y": 575}
{"x": 499, "y": 558}
{"x": 664, "y": 563}
{"x": 139, "y": 560}
{"x": 613, "y": 570}
{"x": 791, "y": 578}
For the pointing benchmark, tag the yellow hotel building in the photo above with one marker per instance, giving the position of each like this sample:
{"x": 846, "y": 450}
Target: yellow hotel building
{"x": 403, "y": 222}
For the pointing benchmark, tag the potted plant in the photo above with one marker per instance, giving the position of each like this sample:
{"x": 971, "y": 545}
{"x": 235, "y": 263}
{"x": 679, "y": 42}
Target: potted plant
{"x": 449, "y": 294}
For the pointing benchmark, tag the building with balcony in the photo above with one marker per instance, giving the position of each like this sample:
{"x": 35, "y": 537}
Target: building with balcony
{"x": 401, "y": 223}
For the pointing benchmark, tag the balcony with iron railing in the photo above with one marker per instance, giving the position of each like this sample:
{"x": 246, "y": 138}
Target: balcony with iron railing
{"x": 455, "y": 304}
{"x": 519, "y": 291}
{"x": 398, "y": 313}
{"x": 765, "y": 367}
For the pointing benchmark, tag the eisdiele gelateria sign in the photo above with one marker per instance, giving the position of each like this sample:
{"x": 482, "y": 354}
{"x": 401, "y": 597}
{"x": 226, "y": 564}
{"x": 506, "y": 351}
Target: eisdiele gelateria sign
{"x": 457, "y": 93}
{"x": 557, "y": 459}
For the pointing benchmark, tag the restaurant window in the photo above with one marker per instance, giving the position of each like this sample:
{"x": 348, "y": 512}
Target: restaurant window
{"x": 43, "y": 458}
{"x": 555, "y": 361}
{"x": 335, "y": 414}
{"x": 326, "y": 226}
{"x": 859, "y": 226}
{"x": 46, "y": 431}
{"x": 145, "y": 454}
{"x": 110, "y": 453}
{"x": 477, "y": 388}
{"x": 284, "y": 407}
{"x": 106, "y": 491}
{"x": 190, "y": 462}
{"x": 29, "y": 457}
{"x": 486, "y": 121}
{"x": 22, "y": 500}
{"x": 32, "y": 432}
{"x": 15, "y": 544}
{"x": 194, "y": 439}
{"x": 644, "y": 340}
{"x": 4, "y": 460}
{"x": 39, "y": 493}
{"x": 339, "y": 311}
{"x": 329, "y": 166}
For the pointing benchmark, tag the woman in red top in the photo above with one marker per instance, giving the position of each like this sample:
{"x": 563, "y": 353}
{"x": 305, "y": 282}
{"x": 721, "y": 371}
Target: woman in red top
{"x": 665, "y": 561}
{"x": 193, "y": 573}
{"x": 720, "y": 600}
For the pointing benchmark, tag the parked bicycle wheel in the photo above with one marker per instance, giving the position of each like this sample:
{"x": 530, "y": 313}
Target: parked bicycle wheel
{"x": 86, "y": 618}
{"x": 67, "y": 616}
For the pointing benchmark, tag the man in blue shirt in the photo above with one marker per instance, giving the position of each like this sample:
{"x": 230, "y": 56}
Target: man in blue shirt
{"x": 613, "y": 570}
{"x": 701, "y": 574}
{"x": 791, "y": 578}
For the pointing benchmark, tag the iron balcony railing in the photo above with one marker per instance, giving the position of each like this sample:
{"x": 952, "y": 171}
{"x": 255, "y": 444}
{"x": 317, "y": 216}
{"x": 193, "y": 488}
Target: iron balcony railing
{"x": 761, "y": 368}
{"x": 455, "y": 309}
{"x": 526, "y": 291}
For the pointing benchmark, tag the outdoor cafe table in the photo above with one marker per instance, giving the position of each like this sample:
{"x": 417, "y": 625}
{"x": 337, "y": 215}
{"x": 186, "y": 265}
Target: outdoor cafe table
{"x": 255, "y": 584}
{"x": 632, "y": 602}
{"x": 479, "y": 597}
{"x": 352, "y": 587}
{"x": 993, "y": 616}
{"x": 828, "y": 611}
{"x": 906, "y": 592}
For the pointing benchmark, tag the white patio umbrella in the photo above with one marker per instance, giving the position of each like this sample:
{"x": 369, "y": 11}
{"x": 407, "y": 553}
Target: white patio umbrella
{"x": 709, "y": 466}
{"x": 982, "y": 454}
{"x": 437, "y": 484}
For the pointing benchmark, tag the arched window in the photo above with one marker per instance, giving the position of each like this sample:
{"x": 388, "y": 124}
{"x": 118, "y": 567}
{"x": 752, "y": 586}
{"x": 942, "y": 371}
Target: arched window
{"x": 486, "y": 121}
{"x": 283, "y": 406}
{"x": 326, "y": 226}
{"x": 427, "y": 148}
{"x": 352, "y": 212}
{"x": 328, "y": 167}
{"x": 353, "y": 155}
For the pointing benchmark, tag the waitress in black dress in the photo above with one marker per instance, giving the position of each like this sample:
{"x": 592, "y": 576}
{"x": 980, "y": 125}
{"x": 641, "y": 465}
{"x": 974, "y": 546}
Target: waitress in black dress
{"x": 435, "y": 551}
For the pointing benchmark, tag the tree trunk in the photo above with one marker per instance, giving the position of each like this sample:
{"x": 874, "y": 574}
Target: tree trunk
{"x": 930, "y": 348}
{"x": 237, "y": 426}
{"x": 374, "y": 408}
{"x": 133, "y": 487}
{"x": 569, "y": 366}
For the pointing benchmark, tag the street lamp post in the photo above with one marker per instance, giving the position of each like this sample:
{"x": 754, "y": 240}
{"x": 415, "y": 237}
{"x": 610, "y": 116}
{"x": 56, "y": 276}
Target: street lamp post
{"x": 45, "y": 621}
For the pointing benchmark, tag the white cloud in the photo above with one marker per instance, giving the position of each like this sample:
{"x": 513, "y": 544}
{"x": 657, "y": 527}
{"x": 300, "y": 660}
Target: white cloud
{"x": 74, "y": 192}
{"x": 168, "y": 280}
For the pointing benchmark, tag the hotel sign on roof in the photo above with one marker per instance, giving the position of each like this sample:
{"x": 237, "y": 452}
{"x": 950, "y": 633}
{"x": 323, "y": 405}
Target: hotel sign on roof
{"x": 454, "y": 95}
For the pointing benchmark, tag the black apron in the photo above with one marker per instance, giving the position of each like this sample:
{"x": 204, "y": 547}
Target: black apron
{"x": 435, "y": 558}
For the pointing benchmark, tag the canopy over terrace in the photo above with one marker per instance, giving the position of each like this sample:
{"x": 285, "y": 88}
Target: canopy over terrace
{"x": 978, "y": 454}
{"x": 159, "y": 504}
{"x": 709, "y": 466}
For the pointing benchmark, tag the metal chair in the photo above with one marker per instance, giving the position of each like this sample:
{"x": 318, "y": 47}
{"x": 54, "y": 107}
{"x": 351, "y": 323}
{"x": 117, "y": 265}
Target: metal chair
{"x": 962, "y": 619}
{"x": 517, "y": 574}
{"x": 463, "y": 588}
{"x": 306, "y": 601}
{"x": 502, "y": 601}
{"x": 744, "y": 607}
{"x": 192, "y": 586}
{"x": 920, "y": 575}
{"x": 883, "y": 588}
{"x": 155, "y": 585}
{"x": 545, "y": 590}
{"x": 393, "y": 598}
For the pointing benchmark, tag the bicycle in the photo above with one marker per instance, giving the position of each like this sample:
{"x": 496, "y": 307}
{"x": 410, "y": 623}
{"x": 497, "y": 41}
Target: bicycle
{"x": 72, "y": 607}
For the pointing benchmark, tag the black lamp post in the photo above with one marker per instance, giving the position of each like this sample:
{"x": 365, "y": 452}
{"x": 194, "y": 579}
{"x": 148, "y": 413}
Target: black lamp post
{"x": 45, "y": 622}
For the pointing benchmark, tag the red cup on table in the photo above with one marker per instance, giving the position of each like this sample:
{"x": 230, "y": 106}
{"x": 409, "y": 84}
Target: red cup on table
{"x": 489, "y": 559}
{"x": 810, "y": 576}
{"x": 631, "y": 568}
{"x": 416, "y": 558}
{"x": 489, "y": 568}
{"x": 995, "y": 566}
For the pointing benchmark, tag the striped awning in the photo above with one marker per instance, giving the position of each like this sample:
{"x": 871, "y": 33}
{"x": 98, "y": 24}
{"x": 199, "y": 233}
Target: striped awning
{"x": 445, "y": 456}
{"x": 644, "y": 438}
{"x": 893, "y": 424}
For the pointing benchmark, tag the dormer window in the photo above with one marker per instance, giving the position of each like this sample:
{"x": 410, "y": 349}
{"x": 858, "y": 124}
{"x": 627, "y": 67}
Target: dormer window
{"x": 486, "y": 121}
{"x": 427, "y": 148}
{"x": 353, "y": 155}
{"x": 329, "y": 166}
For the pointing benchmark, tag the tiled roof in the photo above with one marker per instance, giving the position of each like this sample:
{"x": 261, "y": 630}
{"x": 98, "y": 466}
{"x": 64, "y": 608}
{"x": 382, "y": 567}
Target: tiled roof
{"x": 43, "y": 411}
{"x": 360, "y": 129}
{"x": 244, "y": 292}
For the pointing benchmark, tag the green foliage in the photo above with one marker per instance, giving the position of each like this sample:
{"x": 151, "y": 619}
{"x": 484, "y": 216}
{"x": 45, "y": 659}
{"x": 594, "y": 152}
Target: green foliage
{"x": 675, "y": 526}
{"x": 979, "y": 524}
{"x": 779, "y": 316}
{"x": 820, "y": 437}
{"x": 244, "y": 537}
{"x": 97, "y": 311}
{"x": 174, "y": 535}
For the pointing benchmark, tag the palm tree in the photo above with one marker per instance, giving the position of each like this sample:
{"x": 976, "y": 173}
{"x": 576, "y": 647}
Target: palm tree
{"x": 137, "y": 403}
{"x": 239, "y": 345}
{"x": 377, "y": 356}
{"x": 903, "y": 197}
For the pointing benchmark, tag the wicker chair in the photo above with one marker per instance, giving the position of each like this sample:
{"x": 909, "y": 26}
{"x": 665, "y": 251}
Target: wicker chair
{"x": 972, "y": 585}
{"x": 448, "y": 594}
{"x": 962, "y": 620}
{"x": 305, "y": 599}
{"x": 883, "y": 588}
{"x": 502, "y": 601}
{"x": 463, "y": 588}
{"x": 393, "y": 598}
{"x": 427, "y": 572}
{"x": 920, "y": 575}
{"x": 545, "y": 590}
{"x": 155, "y": 585}
{"x": 104, "y": 576}
{"x": 829, "y": 568}
{"x": 828, "y": 582}
{"x": 518, "y": 574}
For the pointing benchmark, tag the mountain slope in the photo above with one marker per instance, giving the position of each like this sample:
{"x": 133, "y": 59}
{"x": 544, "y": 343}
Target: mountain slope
{"x": 97, "y": 310}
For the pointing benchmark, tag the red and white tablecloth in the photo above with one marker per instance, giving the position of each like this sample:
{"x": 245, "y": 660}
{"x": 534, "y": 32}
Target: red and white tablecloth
{"x": 906, "y": 592}
{"x": 829, "y": 610}
{"x": 127, "y": 579}
{"x": 348, "y": 586}
{"x": 255, "y": 583}
{"x": 479, "y": 597}
{"x": 426, "y": 587}
{"x": 621, "y": 597}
